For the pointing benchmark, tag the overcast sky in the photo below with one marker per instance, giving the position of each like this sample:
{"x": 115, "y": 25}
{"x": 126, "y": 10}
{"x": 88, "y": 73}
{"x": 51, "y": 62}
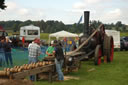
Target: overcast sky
{"x": 67, "y": 11}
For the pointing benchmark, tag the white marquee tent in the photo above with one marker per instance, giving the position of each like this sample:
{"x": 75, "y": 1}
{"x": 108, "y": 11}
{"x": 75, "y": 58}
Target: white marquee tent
{"x": 62, "y": 34}
{"x": 115, "y": 34}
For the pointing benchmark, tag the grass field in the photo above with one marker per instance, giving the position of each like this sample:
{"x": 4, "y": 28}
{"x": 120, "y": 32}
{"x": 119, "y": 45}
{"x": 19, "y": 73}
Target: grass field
{"x": 115, "y": 73}
{"x": 124, "y": 34}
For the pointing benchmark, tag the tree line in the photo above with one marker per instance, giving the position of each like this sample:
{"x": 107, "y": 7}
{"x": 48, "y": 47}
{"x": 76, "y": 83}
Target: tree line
{"x": 52, "y": 26}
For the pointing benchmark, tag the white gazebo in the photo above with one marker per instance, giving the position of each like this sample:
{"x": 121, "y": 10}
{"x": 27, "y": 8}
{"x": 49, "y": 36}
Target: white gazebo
{"x": 62, "y": 34}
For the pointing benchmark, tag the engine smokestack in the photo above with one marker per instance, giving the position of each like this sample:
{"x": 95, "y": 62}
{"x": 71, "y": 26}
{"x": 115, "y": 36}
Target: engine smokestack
{"x": 86, "y": 23}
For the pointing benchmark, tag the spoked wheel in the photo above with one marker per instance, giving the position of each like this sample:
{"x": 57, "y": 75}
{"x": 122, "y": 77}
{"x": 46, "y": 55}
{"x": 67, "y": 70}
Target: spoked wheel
{"x": 98, "y": 54}
{"x": 110, "y": 53}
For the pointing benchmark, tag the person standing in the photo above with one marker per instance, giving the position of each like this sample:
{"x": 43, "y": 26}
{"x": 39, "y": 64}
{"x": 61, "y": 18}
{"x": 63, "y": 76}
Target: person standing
{"x": 34, "y": 51}
{"x": 8, "y": 55}
{"x": 50, "y": 50}
{"x": 2, "y": 52}
{"x": 59, "y": 60}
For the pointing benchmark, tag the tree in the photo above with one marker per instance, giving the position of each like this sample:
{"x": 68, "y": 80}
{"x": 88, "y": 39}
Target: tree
{"x": 2, "y": 4}
{"x": 15, "y": 27}
{"x": 95, "y": 23}
{"x": 123, "y": 28}
{"x": 119, "y": 24}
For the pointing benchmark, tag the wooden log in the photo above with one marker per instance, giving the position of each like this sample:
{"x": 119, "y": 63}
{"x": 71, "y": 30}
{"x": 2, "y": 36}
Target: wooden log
{"x": 12, "y": 69}
{"x": 20, "y": 69}
{"x": 4, "y": 73}
{"x": 7, "y": 73}
{"x": 34, "y": 65}
{"x": 8, "y": 69}
{"x": 29, "y": 67}
{"x": 46, "y": 62}
{"x": 16, "y": 69}
{"x": 39, "y": 63}
{"x": 23, "y": 67}
{"x": 50, "y": 62}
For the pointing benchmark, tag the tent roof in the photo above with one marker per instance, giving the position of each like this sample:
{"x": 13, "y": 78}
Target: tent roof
{"x": 63, "y": 34}
{"x": 30, "y": 27}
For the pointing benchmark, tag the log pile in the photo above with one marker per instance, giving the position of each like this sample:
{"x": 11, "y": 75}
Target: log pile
{"x": 8, "y": 71}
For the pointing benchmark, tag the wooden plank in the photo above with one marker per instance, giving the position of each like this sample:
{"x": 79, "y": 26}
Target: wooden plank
{"x": 75, "y": 54}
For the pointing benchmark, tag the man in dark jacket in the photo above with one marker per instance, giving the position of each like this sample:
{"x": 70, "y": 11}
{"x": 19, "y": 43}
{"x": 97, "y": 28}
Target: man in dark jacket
{"x": 8, "y": 55}
{"x": 59, "y": 59}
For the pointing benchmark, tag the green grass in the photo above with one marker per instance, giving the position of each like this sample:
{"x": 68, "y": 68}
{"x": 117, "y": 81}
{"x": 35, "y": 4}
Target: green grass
{"x": 115, "y": 73}
{"x": 44, "y": 36}
{"x": 123, "y": 33}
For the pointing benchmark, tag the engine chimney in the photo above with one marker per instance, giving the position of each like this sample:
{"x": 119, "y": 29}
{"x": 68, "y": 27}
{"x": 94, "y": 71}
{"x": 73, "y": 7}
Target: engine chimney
{"x": 86, "y": 23}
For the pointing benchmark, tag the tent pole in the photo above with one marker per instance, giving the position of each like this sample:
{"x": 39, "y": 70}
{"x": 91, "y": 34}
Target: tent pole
{"x": 49, "y": 41}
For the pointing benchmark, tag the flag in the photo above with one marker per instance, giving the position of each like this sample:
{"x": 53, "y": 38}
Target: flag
{"x": 80, "y": 19}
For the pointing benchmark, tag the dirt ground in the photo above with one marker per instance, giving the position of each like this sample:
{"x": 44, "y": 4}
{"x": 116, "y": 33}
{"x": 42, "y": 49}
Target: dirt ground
{"x": 15, "y": 82}
{"x": 28, "y": 82}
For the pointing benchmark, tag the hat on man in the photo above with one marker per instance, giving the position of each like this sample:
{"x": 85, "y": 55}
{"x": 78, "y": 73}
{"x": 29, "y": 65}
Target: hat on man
{"x": 52, "y": 42}
{"x": 37, "y": 41}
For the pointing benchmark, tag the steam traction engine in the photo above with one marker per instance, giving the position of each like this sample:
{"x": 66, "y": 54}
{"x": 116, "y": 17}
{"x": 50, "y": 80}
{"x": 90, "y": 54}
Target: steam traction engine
{"x": 94, "y": 44}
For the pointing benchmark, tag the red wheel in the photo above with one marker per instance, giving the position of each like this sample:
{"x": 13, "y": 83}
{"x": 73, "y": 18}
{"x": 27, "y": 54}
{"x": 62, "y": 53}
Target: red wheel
{"x": 98, "y": 54}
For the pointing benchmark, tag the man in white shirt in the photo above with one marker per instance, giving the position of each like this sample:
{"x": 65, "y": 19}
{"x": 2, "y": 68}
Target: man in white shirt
{"x": 34, "y": 51}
